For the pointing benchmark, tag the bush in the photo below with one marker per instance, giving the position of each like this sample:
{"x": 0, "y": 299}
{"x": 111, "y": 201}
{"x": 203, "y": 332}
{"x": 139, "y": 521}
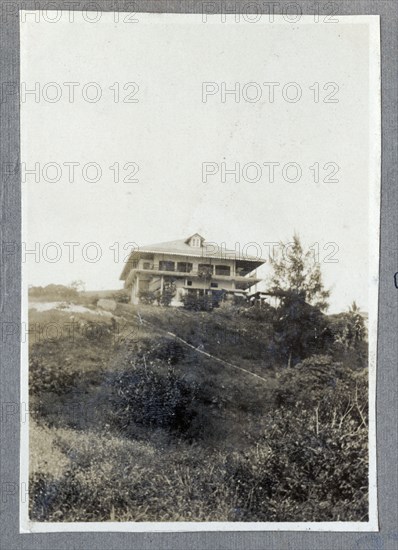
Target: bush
{"x": 147, "y": 297}
{"x": 331, "y": 387}
{"x": 262, "y": 313}
{"x": 198, "y": 303}
{"x": 240, "y": 301}
{"x": 44, "y": 379}
{"x": 150, "y": 395}
{"x": 170, "y": 351}
{"x": 311, "y": 461}
{"x": 302, "y": 471}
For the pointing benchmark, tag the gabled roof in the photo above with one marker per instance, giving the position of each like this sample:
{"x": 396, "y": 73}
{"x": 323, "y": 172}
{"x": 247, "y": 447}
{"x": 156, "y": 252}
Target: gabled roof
{"x": 195, "y": 235}
{"x": 181, "y": 247}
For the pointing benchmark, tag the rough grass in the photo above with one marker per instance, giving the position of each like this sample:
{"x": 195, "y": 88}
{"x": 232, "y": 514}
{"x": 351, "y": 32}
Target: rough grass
{"x": 110, "y": 478}
{"x": 291, "y": 448}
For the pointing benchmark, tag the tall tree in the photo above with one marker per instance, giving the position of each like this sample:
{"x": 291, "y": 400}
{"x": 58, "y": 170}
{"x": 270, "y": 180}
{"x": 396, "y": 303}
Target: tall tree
{"x": 296, "y": 272}
{"x": 299, "y": 323}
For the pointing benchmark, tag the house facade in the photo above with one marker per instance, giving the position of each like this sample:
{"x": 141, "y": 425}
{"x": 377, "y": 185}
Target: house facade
{"x": 191, "y": 266}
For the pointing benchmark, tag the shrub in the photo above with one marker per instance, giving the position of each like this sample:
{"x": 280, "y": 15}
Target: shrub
{"x": 147, "y": 297}
{"x": 150, "y": 395}
{"x": 329, "y": 386}
{"x": 198, "y": 303}
{"x": 240, "y": 301}
{"x": 262, "y": 313}
{"x": 302, "y": 470}
{"x": 170, "y": 351}
{"x": 42, "y": 378}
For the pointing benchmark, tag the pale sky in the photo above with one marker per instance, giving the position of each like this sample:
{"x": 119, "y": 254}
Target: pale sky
{"x": 170, "y": 132}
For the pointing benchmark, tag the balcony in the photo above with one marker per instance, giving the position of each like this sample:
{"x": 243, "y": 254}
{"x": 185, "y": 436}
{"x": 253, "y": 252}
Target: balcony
{"x": 186, "y": 267}
{"x": 152, "y": 269}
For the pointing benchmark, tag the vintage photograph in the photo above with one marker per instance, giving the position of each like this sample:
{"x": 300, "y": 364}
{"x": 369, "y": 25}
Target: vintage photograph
{"x": 200, "y": 270}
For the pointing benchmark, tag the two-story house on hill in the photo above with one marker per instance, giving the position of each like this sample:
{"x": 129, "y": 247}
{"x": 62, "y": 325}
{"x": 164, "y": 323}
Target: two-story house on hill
{"x": 193, "y": 266}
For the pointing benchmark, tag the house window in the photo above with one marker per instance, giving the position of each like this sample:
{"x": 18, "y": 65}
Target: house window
{"x": 134, "y": 264}
{"x": 195, "y": 241}
{"x": 166, "y": 265}
{"x": 223, "y": 270}
{"x": 147, "y": 265}
{"x": 184, "y": 267}
{"x": 189, "y": 283}
{"x": 214, "y": 285}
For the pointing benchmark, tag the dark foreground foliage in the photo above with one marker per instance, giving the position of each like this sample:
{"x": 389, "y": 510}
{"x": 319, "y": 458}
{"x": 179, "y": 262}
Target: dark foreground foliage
{"x": 150, "y": 395}
{"x": 172, "y": 435}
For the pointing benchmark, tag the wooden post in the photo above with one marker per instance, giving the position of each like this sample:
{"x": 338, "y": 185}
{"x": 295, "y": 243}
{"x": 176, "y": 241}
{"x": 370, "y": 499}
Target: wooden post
{"x": 137, "y": 289}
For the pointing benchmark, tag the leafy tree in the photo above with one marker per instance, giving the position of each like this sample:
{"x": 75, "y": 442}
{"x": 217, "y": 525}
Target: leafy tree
{"x": 205, "y": 272}
{"x": 300, "y": 329}
{"x": 295, "y": 272}
{"x": 196, "y": 302}
{"x": 299, "y": 324}
{"x": 78, "y": 285}
{"x": 169, "y": 291}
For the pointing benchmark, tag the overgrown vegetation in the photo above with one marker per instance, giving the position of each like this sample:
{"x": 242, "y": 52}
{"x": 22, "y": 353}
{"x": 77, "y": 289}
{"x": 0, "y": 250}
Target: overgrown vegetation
{"x": 194, "y": 302}
{"x": 129, "y": 423}
{"x": 162, "y": 298}
{"x": 149, "y": 395}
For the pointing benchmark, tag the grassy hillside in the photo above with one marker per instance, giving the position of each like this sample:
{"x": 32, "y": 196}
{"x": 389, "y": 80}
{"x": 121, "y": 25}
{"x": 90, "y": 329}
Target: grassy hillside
{"x": 159, "y": 414}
